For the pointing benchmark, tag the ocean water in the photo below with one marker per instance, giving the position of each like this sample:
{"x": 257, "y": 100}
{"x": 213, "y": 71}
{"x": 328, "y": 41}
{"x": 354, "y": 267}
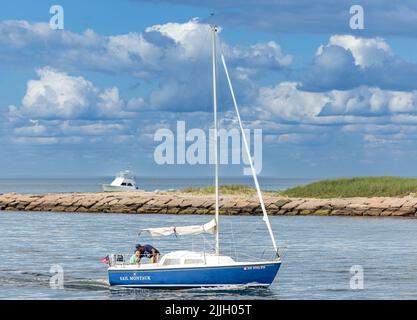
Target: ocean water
{"x": 37, "y": 186}
{"x": 317, "y": 255}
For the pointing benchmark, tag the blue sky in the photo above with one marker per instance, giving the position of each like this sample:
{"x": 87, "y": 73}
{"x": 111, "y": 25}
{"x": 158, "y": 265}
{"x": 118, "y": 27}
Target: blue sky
{"x": 87, "y": 100}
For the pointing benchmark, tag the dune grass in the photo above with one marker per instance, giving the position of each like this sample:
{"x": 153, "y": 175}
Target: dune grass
{"x": 355, "y": 187}
{"x": 223, "y": 189}
{"x": 334, "y": 188}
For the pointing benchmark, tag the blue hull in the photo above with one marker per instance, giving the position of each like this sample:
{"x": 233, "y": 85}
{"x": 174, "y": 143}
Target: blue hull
{"x": 206, "y": 276}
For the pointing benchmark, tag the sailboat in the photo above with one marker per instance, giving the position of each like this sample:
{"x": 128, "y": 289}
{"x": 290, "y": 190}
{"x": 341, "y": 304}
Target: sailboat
{"x": 186, "y": 269}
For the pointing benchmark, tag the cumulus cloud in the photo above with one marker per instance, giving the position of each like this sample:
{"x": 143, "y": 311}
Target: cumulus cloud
{"x": 188, "y": 90}
{"x": 60, "y": 108}
{"x": 91, "y": 129}
{"x": 191, "y": 36}
{"x": 71, "y": 132}
{"x": 21, "y": 34}
{"x": 164, "y": 54}
{"x": 344, "y": 91}
{"x": 346, "y": 62}
{"x": 357, "y": 92}
{"x": 365, "y": 51}
{"x": 296, "y": 138}
{"x": 287, "y": 102}
{"x": 31, "y": 130}
{"x": 362, "y": 117}
{"x": 333, "y": 68}
{"x": 48, "y": 140}
{"x": 81, "y": 50}
{"x": 57, "y": 95}
{"x": 188, "y": 37}
{"x": 370, "y": 101}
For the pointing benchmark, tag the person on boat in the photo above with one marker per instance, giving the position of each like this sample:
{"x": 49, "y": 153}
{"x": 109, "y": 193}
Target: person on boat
{"x": 148, "y": 251}
{"x": 135, "y": 258}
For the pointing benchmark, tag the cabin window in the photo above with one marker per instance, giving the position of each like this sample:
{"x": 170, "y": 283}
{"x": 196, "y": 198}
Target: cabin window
{"x": 193, "y": 261}
{"x": 123, "y": 183}
{"x": 170, "y": 262}
{"x": 129, "y": 185}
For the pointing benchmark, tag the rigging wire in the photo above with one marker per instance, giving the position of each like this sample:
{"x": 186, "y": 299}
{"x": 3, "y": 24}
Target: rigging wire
{"x": 245, "y": 143}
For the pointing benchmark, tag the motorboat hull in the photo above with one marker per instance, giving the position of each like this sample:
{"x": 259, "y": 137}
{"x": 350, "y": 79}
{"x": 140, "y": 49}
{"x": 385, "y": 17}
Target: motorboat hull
{"x": 110, "y": 188}
{"x": 239, "y": 274}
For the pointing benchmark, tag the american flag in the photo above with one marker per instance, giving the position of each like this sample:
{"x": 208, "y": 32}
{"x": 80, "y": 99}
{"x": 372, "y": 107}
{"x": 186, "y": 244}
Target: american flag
{"x": 106, "y": 260}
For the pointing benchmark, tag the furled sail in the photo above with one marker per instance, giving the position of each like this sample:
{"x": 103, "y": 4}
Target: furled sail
{"x": 209, "y": 227}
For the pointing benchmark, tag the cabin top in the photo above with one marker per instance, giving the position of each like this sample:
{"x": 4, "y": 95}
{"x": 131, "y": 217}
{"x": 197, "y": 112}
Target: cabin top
{"x": 125, "y": 179}
{"x": 190, "y": 257}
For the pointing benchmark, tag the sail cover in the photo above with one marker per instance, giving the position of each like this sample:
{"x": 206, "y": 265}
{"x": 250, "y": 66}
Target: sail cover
{"x": 209, "y": 227}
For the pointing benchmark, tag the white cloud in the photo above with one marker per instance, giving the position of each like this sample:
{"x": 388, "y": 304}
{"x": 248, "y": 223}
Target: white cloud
{"x": 91, "y": 129}
{"x": 162, "y": 54}
{"x": 296, "y": 138}
{"x": 288, "y": 102}
{"x": 57, "y": 95}
{"x": 258, "y": 55}
{"x": 70, "y": 132}
{"x": 366, "y": 51}
{"x": 36, "y": 130}
{"x": 156, "y": 49}
{"x": 189, "y": 36}
{"x": 347, "y": 62}
{"x": 170, "y": 52}
{"x": 129, "y": 49}
{"x": 171, "y": 57}
{"x": 370, "y": 101}
{"x": 65, "y": 109}
{"x": 136, "y": 104}
{"x": 21, "y": 33}
{"x": 47, "y": 140}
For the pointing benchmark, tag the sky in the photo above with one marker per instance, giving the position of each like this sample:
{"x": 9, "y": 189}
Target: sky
{"x": 87, "y": 100}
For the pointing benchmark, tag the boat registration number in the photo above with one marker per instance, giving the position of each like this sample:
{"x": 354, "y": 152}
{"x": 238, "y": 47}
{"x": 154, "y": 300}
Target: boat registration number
{"x": 253, "y": 268}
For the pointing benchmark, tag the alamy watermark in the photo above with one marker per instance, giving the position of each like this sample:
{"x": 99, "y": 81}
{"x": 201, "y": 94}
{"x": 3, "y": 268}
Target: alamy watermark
{"x": 57, "y": 20}
{"x": 192, "y": 147}
{"x": 357, "y": 20}
{"x": 57, "y": 279}
{"x": 357, "y": 278}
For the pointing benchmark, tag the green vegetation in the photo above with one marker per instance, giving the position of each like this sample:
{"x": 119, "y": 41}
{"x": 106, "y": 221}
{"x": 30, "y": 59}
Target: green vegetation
{"x": 355, "y": 187}
{"x": 335, "y": 188}
{"x": 223, "y": 189}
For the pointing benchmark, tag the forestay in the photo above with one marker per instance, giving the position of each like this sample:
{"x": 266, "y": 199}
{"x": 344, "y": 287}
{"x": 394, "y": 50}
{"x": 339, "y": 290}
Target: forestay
{"x": 245, "y": 143}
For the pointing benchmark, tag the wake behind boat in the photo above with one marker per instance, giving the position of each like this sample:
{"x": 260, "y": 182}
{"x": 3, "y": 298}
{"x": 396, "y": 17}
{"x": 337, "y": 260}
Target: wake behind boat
{"x": 183, "y": 269}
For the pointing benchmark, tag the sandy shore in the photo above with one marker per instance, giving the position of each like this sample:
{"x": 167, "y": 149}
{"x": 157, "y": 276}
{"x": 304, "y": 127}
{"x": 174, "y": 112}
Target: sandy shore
{"x": 183, "y": 203}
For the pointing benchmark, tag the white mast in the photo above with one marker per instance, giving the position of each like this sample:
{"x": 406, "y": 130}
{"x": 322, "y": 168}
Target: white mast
{"x": 245, "y": 143}
{"x": 216, "y": 164}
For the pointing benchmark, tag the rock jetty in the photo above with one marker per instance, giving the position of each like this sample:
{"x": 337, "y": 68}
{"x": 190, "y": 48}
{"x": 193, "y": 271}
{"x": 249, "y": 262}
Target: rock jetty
{"x": 184, "y": 203}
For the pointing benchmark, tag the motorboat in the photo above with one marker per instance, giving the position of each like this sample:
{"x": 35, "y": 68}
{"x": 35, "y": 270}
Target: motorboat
{"x": 124, "y": 181}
